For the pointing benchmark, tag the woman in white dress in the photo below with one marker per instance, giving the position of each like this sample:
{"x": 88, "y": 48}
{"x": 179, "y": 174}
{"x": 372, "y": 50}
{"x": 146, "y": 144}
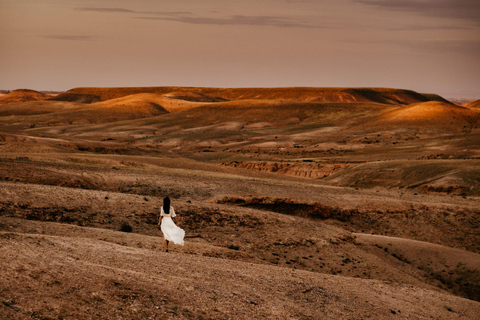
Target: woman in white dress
{"x": 171, "y": 232}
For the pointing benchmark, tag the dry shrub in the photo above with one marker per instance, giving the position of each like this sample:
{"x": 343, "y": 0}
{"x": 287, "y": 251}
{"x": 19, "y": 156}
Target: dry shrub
{"x": 126, "y": 227}
{"x": 462, "y": 281}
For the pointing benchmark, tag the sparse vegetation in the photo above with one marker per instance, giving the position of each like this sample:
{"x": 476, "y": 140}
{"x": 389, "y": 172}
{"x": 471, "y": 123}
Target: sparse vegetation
{"x": 125, "y": 227}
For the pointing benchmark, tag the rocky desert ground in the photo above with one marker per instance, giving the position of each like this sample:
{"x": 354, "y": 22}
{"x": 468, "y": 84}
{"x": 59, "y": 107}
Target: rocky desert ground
{"x": 298, "y": 203}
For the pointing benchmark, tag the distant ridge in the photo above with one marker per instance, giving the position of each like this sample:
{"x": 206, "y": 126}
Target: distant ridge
{"x": 473, "y": 105}
{"x": 77, "y": 97}
{"x": 298, "y": 94}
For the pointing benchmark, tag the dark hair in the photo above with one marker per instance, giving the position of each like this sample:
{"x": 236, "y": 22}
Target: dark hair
{"x": 166, "y": 205}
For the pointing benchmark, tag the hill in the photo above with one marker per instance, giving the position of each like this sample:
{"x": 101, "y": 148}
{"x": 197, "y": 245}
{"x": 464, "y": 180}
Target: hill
{"x": 56, "y": 113}
{"x": 22, "y": 95}
{"x": 137, "y": 105}
{"x": 432, "y": 114}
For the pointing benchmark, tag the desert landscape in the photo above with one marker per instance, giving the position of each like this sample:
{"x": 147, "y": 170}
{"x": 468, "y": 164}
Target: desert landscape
{"x": 297, "y": 202}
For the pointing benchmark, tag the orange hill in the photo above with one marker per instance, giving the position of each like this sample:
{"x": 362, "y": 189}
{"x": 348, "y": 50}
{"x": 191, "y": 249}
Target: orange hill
{"x": 299, "y": 94}
{"x": 428, "y": 114}
{"x": 22, "y": 95}
{"x": 144, "y": 104}
{"x": 155, "y": 104}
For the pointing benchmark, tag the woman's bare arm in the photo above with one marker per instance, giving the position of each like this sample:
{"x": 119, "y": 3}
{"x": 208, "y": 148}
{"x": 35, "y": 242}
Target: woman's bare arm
{"x": 160, "y": 221}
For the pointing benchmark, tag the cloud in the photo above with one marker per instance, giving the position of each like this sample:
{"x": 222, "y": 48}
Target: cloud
{"x": 123, "y": 10}
{"x": 70, "y": 38}
{"x": 419, "y": 27}
{"x": 458, "y": 9}
{"x": 191, "y": 18}
{"x": 467, "y": 47}
{"x": 238, "y": 20}
{"x": 167, "y": 13}
{"x": 427, "y": 46}
{"x": 108, "y": 10}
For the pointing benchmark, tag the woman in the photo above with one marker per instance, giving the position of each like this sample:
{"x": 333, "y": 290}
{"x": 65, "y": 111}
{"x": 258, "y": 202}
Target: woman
{"x": 170, "y": 231}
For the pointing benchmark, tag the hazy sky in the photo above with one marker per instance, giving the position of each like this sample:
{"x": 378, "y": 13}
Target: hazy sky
{"x": 423, "y": 45}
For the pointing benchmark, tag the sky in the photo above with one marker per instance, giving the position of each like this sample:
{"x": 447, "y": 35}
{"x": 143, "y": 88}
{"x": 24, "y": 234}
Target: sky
{"x": 430, "y": 46}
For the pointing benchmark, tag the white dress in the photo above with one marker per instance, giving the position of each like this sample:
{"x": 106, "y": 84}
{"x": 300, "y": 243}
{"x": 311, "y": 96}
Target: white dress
{"x": 170, "y": 230}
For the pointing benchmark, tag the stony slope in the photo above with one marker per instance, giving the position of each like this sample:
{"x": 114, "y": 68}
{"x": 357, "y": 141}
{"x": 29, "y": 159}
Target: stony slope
{"x": 97, "y": 279}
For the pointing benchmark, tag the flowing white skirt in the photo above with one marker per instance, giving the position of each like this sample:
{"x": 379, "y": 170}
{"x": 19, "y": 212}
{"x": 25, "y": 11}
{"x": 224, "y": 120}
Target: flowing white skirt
{"x": 171, "y": 232}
